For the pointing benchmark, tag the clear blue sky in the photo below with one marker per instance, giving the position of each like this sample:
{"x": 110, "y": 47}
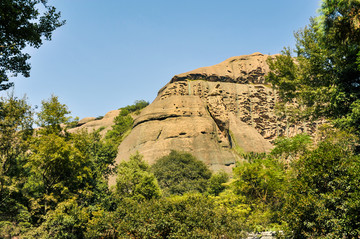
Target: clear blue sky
{"x": 113, "y": 52}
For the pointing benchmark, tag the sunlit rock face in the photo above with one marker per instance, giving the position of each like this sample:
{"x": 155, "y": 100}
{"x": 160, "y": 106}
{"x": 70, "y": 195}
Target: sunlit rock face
{"x": 91, "y": 124}
{"x": 213, "y": 112}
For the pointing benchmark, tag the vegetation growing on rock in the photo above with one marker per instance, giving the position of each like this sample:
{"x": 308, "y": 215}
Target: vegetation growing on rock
{"x": 124, "y": 122}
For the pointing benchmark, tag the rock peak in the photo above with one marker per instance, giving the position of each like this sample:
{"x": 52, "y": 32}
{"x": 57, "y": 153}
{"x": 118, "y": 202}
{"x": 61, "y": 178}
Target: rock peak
{"x": 216, "y": 113}
{"x": 238, "y": 69}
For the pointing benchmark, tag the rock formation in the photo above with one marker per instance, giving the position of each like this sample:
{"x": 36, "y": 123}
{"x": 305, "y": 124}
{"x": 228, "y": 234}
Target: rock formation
{"x": 91, "y": 123}
{"x": 213, "y": 112}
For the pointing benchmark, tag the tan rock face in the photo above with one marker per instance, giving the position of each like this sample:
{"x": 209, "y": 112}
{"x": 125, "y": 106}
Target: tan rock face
{"x": 212, "y": 112}
{"x": 177, "y": 123}
{"x": 238, "y": 69}
{"x": 90, "y": 123}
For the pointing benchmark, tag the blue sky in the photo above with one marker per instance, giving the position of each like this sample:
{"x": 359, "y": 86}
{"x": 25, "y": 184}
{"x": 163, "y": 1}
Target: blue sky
{"x": 113, "y": 52}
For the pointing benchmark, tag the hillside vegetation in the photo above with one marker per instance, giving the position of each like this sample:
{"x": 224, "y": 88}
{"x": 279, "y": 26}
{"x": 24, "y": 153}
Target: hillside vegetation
{"x": 54, "y": 184}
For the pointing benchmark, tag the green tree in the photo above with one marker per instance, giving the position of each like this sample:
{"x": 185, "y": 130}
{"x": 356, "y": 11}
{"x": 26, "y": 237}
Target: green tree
{"x": 53, "y": 116}
{"x": 15, "y": 127}
{"x": 68, "y": 184}
{"x": 323, "y": 199}
{"x": 180, "y": 172}
{"x": 100, "y": 156}
{"x": 260, "y": 183}
{"x": 186, "y": 216}
{"x": 135, "y": 108}
{"x": 122, "y": 125}
{"x": 22, "y": 25}
{"x": 57, "y": 170}
{"x": 260, "y": 179}
{"x": 135, "y": 181}
{"x": 67, "y": 220}
{"x": 52, "y": 182}
{"x": 15, "y": 130}
{"x": 216, "y": 183}
{"x": 289, "y": 149}
{"x": 101, "y": 152}
{"x": 124, "y": 122}
{"x": 325, "y": 75}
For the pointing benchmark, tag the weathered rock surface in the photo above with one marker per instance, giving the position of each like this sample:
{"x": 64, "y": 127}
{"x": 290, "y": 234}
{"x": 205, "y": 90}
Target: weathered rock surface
{"x": 216, "y": 113}
{"x": 238, "y": 69}
{"x": 85, "y": 120}
{"x": 91, "y": 123}
{"x": 177, "y": 123}
{"x": 212, "y": 112}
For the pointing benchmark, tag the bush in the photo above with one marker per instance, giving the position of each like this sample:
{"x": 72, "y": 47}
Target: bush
{"x": 124, "y": 122}
{"x": 323, "y": 199}
{"x": 136, "y": 107}
{"x": 187, "y": 216}
{"x": 134, "y": 181}
{"x": 216, "y": 183}
{"x": 178, "y": 173}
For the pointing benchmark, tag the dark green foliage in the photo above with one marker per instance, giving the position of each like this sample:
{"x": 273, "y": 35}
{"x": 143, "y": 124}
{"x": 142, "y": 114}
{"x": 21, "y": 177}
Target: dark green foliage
{"x": 57, "y": 169}
{"x": 69, "y": 215}
{"x": 22, "y": 25}
{"x": 325, "y": 77}
{"x": 322, "y": 200}
{"x": 261, "y": 180}
{"x": 46, "y": 179}
{"x": 101, "y": 153}
{"x": 180, "y": 172}
{"x": 260, "y": 184}
{"x": 135, "y": 181}
{"x": 188, "y": 216}
{"x": 216, "y": 183}
{"x": 101, "y": 159}
{"x": 289, "y": 149}
{"x": 124, "y": 122}
{"x": 68, "y": 220}
{"x": 323, "y": 197}
{"x": 283, "y": 75}
{"x": 136, "y": 107}
{"x": 15, "y": 129}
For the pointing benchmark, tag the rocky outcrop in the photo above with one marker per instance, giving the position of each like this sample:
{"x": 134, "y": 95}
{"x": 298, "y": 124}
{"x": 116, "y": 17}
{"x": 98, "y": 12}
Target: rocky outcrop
{"x": 248, "y": 69}
{"x": 178, "y": 123}
{"x": 252, "y": 104}
{"x": 215, "y": 112}
{"x": 91, "y": 123}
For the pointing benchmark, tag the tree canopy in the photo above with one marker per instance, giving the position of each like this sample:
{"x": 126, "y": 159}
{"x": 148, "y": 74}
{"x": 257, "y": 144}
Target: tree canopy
{"x": 322, "y": 199}
{"x": 324, "y": 75}
{"x": 180, "y": 172}
{"x": 23, "y": 24}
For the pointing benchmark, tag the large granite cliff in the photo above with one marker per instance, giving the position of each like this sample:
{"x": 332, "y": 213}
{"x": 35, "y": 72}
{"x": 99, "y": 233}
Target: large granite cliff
{"x": 215, "y": 113}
